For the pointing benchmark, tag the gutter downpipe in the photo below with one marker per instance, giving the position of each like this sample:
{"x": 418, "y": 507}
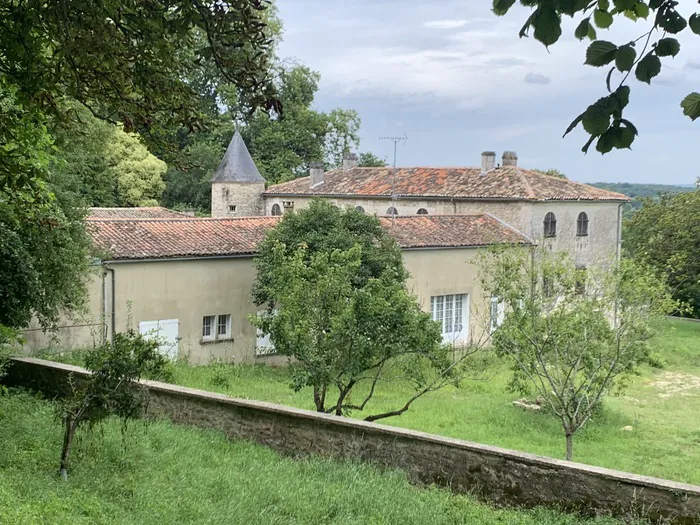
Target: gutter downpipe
{"x": 619, "y": 231}
{"x": 113, "y": 316}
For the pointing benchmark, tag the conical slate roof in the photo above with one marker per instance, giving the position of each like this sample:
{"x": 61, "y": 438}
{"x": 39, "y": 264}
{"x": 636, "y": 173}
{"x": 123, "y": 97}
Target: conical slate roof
{"x": 237, "y": 164}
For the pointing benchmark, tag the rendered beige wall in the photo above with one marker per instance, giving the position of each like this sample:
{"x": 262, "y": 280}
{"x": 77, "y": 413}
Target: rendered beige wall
{"x": 516, "y": 214}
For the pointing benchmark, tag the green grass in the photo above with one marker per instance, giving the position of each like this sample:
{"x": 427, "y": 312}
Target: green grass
{"x": 168, "y": 474}
{"x": 665, "y": 441}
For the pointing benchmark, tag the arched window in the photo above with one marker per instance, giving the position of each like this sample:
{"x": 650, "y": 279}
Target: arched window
{"x": 422, "y": 211}
{"x": 276, "y": 210}
{"x": 392, "y": 211}
{"x": 582, "y": 225}
{"x": 360, "y": 209}
{"x": 550, "y": 225}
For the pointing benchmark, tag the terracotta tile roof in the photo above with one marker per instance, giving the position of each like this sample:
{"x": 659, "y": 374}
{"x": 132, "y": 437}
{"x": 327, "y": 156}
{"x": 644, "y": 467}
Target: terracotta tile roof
{"x": 124, "y": 239}
{"x": 503, "y": 183}
{"x": 153, "y": 212}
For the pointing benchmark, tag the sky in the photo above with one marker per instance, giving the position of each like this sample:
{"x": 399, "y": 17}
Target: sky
{"x": 457, "y": 80}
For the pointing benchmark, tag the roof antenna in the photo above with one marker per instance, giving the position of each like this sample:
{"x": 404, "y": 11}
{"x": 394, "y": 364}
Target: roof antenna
{"x": 396, "y": 141}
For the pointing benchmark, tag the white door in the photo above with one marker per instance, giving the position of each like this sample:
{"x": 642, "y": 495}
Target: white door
{"x": 166, "y": 330}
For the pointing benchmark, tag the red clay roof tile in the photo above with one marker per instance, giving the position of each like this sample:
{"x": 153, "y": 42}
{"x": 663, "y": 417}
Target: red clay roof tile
{"x": 125, "y": 239}
{"x": 503, "y": 183}
{"x": 151, "y": 212}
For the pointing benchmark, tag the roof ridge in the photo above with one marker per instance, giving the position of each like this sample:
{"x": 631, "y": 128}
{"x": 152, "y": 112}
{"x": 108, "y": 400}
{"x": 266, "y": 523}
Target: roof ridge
{"x": 511, "y": 227}
{"x": 574, "y": 182}
{"x": 182, "y": 219}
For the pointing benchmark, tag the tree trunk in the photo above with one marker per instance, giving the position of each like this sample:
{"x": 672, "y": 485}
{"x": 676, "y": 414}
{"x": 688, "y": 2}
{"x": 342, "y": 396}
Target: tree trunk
{"x": 320, "y": 398}
{"x": 569, "y": 447}
{"x": 70, "y": 423}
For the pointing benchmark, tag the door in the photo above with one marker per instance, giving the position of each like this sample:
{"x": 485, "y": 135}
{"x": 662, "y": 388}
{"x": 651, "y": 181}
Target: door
{"x": 166, "y": 330}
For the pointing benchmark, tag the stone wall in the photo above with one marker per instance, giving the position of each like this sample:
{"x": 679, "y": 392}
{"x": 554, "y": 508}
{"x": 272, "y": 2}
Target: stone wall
{"x": 501, "y": 476}
{"x": 246, "y": 197}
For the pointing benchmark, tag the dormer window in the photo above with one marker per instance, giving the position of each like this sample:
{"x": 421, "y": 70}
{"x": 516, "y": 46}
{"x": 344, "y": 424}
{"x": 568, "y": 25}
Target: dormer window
{"x": 550, "y": 225}
{"x": 582, "y": 225}
{"x": 392, "y": 211}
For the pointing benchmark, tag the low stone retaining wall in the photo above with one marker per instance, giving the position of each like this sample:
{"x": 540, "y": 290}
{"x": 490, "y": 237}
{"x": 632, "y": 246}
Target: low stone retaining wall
{"x": 502, "y": 476}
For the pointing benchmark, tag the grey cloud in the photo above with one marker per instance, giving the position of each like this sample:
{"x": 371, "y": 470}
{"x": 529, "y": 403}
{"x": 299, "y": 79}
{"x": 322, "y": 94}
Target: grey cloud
{"x": 693, "y": 65}
{"x": 507, "y": 62}
{"x": 537, "y": 78}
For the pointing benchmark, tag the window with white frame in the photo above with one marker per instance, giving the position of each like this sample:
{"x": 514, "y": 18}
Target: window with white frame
{"x": 452, "y": 312}
{"x": 497, "y": 313}
{"x": 263, "y": 344}
{"x": 208, "y": 327}
{"x": 223, "y": 326}
{"x": 216, "y": 327}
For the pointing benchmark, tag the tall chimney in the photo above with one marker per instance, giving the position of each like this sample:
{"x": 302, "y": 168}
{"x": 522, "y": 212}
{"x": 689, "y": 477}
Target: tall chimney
{"x": 316, "y": 172}
{"x": 510, "y": 158}
{"x": 488, "y": 161}
{"x": 349, "y": 161}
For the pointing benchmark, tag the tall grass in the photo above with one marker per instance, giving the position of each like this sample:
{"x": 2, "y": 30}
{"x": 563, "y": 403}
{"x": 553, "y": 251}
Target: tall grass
{"x": 163, "y": 474}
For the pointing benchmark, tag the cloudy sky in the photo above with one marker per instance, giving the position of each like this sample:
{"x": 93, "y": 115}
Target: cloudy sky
{"x": 458, "y": 80}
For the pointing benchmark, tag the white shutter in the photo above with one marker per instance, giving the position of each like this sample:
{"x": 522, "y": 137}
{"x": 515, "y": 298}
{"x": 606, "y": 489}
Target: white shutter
{"x": 166, "y": 331}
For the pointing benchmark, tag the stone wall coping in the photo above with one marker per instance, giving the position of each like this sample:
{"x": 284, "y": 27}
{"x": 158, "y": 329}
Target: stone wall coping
{"x": 364, "y": 426}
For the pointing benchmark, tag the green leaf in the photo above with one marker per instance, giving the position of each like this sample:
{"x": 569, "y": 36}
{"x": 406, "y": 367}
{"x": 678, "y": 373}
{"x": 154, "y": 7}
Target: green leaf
{"x": 641, "y": 10}
{"x": 574, "y": 123}
{"x": 547, "y": 23}
{"x": 607, "y": 141}
{"x": 629, "y": 125}
{"x": 648, "y": 68}
{"x": 694, "y": 23}
{"x": 592, "y": 35}
{"x": 672, "y": 21}
{"x": 596, "y": 119}
{"x": 691, "y": 105}
{"x": 668, "y": 47}
{"x": 624, "y": 5}
{"x": 625, "y": 138}
{"x": 625, "y": 57}
{"x": 501, "y": 7}
{"x": 602, "y": 19}
{"x": 622, "y": 97}
{"x": 604, "y": 4}
{"x": 600, "y": 53}
{"x": 583, "y": 29}
{"x": 588, "y": 144}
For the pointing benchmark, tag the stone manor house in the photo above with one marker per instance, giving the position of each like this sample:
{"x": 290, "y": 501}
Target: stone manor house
{"x": 189, "y": 279}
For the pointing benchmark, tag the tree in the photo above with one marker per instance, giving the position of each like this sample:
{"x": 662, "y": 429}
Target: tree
{"x": 572, "y": 337}
{"x": 43, "y": 246}
{"x": 552, "y": 173}
{"x": 664, "y": 234}
{"x": 604, "y": 120}
{"x": 334, "y": 287}
{"x": 112, "y": 388}
{"x": 370, "y": 160}
{"x": 343, "y": 135}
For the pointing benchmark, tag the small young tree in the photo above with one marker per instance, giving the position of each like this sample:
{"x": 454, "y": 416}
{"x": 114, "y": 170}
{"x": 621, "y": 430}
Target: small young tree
{"x": 334, "y": 285}
{"x": 572, "y": 337}
{"x": 112, "y": 389}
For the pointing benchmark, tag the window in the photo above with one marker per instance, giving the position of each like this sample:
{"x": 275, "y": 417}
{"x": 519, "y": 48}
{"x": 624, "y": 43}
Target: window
{"x": 288, "y": 205}
{"x": 276, "y": 210}
{"x": 497, "y": 314}
{"x": 208, "y": 326}
{"x": 216, "y": 327}
{"x": 360, "y": 209}
{"x": 422, "y": 211}
{"x": 550, "y": 225}
{"x": 232, "y": 208}
{"x": 263, "y": 344}
{"x": 451, "y": 312}
{"x": 582, "y": 225}
{"x": 392, "y": 211}
{"x": 223, "y": 326}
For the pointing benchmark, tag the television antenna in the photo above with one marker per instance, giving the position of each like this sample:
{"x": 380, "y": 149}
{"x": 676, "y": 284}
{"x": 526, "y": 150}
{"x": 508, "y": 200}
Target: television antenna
{"x": 396, "y": 140}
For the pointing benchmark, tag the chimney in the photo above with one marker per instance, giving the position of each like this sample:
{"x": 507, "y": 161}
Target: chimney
{"x": 488, "y": 161}
{"x": 510, "y": 158}
{"x": 316, "y": 172}
{"x": 349, "y": 161}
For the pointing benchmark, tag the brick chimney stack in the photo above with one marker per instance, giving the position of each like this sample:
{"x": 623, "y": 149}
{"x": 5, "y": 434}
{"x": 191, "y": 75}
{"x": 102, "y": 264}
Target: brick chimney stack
{"x": 349, "y": 161}
{"x": 488, "y": 161}
{"x": 316, "y": 172}
{"x": 510, "y": 158}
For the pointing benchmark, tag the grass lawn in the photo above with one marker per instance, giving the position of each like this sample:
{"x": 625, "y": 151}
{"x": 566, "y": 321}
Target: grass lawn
{"x": 662, "y": 404}
{"x": 164, "y": 474}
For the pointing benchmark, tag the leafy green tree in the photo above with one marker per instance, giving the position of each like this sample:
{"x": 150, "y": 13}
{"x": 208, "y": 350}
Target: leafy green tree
{"x": 665, "y": 235}
{"x": 334, "y": 285}
{"x": 343, "y": 135}
{"x": 43, "y": 246}
{"x": 604, "y": 120}
{"x": 370, "y": 160}
{"x": 112, "y": 389}
{"x": 572, "y": 337}
{"x": 552, "y": 173}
